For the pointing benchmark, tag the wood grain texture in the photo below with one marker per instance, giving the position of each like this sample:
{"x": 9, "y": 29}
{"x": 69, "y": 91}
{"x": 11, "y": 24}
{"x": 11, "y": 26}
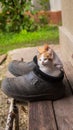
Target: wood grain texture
{"x": 2, "y": 58}
{"x": 64, "y": 110}
{"x": 69, "y": 73}
{"x": 41, "y": 116}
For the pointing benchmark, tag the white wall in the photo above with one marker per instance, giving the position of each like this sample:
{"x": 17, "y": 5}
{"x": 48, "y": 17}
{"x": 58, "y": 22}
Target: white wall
{"x": 66, "y": 31}
{"x": 55, "y": 5}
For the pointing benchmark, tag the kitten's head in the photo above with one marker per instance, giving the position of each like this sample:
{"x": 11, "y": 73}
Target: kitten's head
{"x": 45, "y": 55}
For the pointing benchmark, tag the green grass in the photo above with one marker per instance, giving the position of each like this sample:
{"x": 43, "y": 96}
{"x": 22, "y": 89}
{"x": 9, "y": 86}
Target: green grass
{"x": 9, "y": 41}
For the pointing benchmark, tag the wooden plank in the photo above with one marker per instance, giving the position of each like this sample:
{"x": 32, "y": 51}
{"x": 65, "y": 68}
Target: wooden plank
{"x": 11, "y": 116}
{"x": 41, "y": 116}
{"x": 3, "y": 58}
{"x": 69, "y": 73}
{"x": 64, "y": 110}
{"x": 68, "y": 67}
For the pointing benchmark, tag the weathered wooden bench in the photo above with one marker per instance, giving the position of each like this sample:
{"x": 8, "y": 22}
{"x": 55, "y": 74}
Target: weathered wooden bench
{"x": 56, "y": 115}
{"x": 50, "y": 115}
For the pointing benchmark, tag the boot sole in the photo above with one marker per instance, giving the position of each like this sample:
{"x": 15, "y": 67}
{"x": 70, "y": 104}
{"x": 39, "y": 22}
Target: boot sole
{"x": 50, "y": 96}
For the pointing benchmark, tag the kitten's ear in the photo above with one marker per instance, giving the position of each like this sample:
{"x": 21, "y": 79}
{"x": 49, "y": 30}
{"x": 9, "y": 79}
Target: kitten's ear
{"x": 50, "y": 51}
{"x": 43, "y": 48}
{"x": 46, "y": 47}
{"x": 39, "y": 49}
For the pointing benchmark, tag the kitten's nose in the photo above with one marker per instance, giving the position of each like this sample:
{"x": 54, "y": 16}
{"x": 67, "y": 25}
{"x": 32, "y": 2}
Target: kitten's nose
{"x": 42, "y": 63}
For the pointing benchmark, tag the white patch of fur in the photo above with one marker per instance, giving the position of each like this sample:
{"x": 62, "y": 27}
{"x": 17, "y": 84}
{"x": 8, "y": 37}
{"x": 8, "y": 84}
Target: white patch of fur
{"x": 44, "y": 65}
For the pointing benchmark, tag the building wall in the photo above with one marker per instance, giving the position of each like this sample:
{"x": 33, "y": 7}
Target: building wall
{"x": 55, "y": 5}
{"x": 67, "y": 14}
{"x": 66, "y": 31}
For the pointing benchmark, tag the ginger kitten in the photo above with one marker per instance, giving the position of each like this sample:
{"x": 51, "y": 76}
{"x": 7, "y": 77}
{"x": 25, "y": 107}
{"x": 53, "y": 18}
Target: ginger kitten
{"x": 45, "y": 60}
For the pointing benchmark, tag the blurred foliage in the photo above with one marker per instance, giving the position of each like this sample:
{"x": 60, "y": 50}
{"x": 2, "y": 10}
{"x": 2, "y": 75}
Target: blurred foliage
{"x": 44, "y": 4}
{"x": 12, "y": 18}
{"x": 43, "y": 20}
